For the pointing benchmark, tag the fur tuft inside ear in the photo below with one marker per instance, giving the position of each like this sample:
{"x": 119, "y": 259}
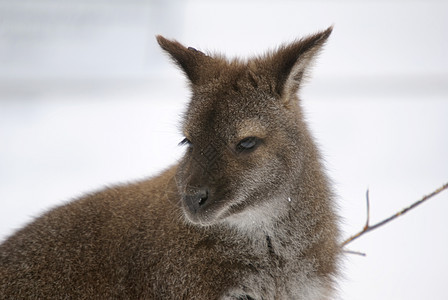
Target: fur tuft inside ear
{"x": 290, "y": 63}
{"x": 188, "y": 59}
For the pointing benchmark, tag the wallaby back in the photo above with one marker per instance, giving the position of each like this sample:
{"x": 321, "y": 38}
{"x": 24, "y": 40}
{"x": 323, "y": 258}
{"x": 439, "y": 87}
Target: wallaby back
{"x": 247, "y": 213}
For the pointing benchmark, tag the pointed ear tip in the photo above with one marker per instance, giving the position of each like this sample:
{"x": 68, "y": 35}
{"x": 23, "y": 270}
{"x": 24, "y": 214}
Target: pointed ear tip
{"x": 161, "y": 40}
{"x": 165, "y": 43}
{"x": 322, "y": 36}
{"x": 327, "y": 32}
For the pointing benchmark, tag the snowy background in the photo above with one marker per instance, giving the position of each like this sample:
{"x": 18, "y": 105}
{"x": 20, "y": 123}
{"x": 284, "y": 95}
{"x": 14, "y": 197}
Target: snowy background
{"x": 87, "y": 99}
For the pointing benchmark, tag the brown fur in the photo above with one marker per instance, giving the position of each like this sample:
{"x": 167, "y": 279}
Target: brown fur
{"x": 246, "y": 214}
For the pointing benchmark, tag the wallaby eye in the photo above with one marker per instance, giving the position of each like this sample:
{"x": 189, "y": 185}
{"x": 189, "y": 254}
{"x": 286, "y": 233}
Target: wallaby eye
{"x": 246, "y": 144}
{"x": 185, "y": 141}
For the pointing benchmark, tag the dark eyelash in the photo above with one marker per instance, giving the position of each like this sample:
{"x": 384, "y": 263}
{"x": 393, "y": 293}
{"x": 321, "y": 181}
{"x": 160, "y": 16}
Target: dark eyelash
{"x": 185, "y": 141}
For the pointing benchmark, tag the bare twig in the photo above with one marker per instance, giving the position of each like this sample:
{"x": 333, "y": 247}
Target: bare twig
{"x": 368, "y": 228}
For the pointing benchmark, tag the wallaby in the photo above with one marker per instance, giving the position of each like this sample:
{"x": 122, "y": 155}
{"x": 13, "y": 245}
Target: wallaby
{"x": 247, "y": 213}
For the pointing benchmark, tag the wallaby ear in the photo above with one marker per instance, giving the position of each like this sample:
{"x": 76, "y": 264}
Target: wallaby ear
{"x": 290, "y": 63}
{"x": 188, "y": 59}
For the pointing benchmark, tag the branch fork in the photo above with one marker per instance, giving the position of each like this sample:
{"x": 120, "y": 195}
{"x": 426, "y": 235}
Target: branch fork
{"x": 367, "y": 227}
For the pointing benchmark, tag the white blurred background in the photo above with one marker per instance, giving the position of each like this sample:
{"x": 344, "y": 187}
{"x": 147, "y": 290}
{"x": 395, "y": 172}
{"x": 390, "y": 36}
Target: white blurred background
{"x": 87, "y": 99}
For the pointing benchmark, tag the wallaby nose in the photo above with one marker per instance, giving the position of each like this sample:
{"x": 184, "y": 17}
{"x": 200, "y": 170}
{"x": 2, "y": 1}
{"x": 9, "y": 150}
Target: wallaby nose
{"x": 197, "y": 199}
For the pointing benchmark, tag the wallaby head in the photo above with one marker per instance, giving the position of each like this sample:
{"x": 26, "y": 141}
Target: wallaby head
{"x": 248, "y": 148}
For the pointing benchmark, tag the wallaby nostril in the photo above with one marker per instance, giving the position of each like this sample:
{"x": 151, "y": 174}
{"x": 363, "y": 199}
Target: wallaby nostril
{"x": 203, "y": 197}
